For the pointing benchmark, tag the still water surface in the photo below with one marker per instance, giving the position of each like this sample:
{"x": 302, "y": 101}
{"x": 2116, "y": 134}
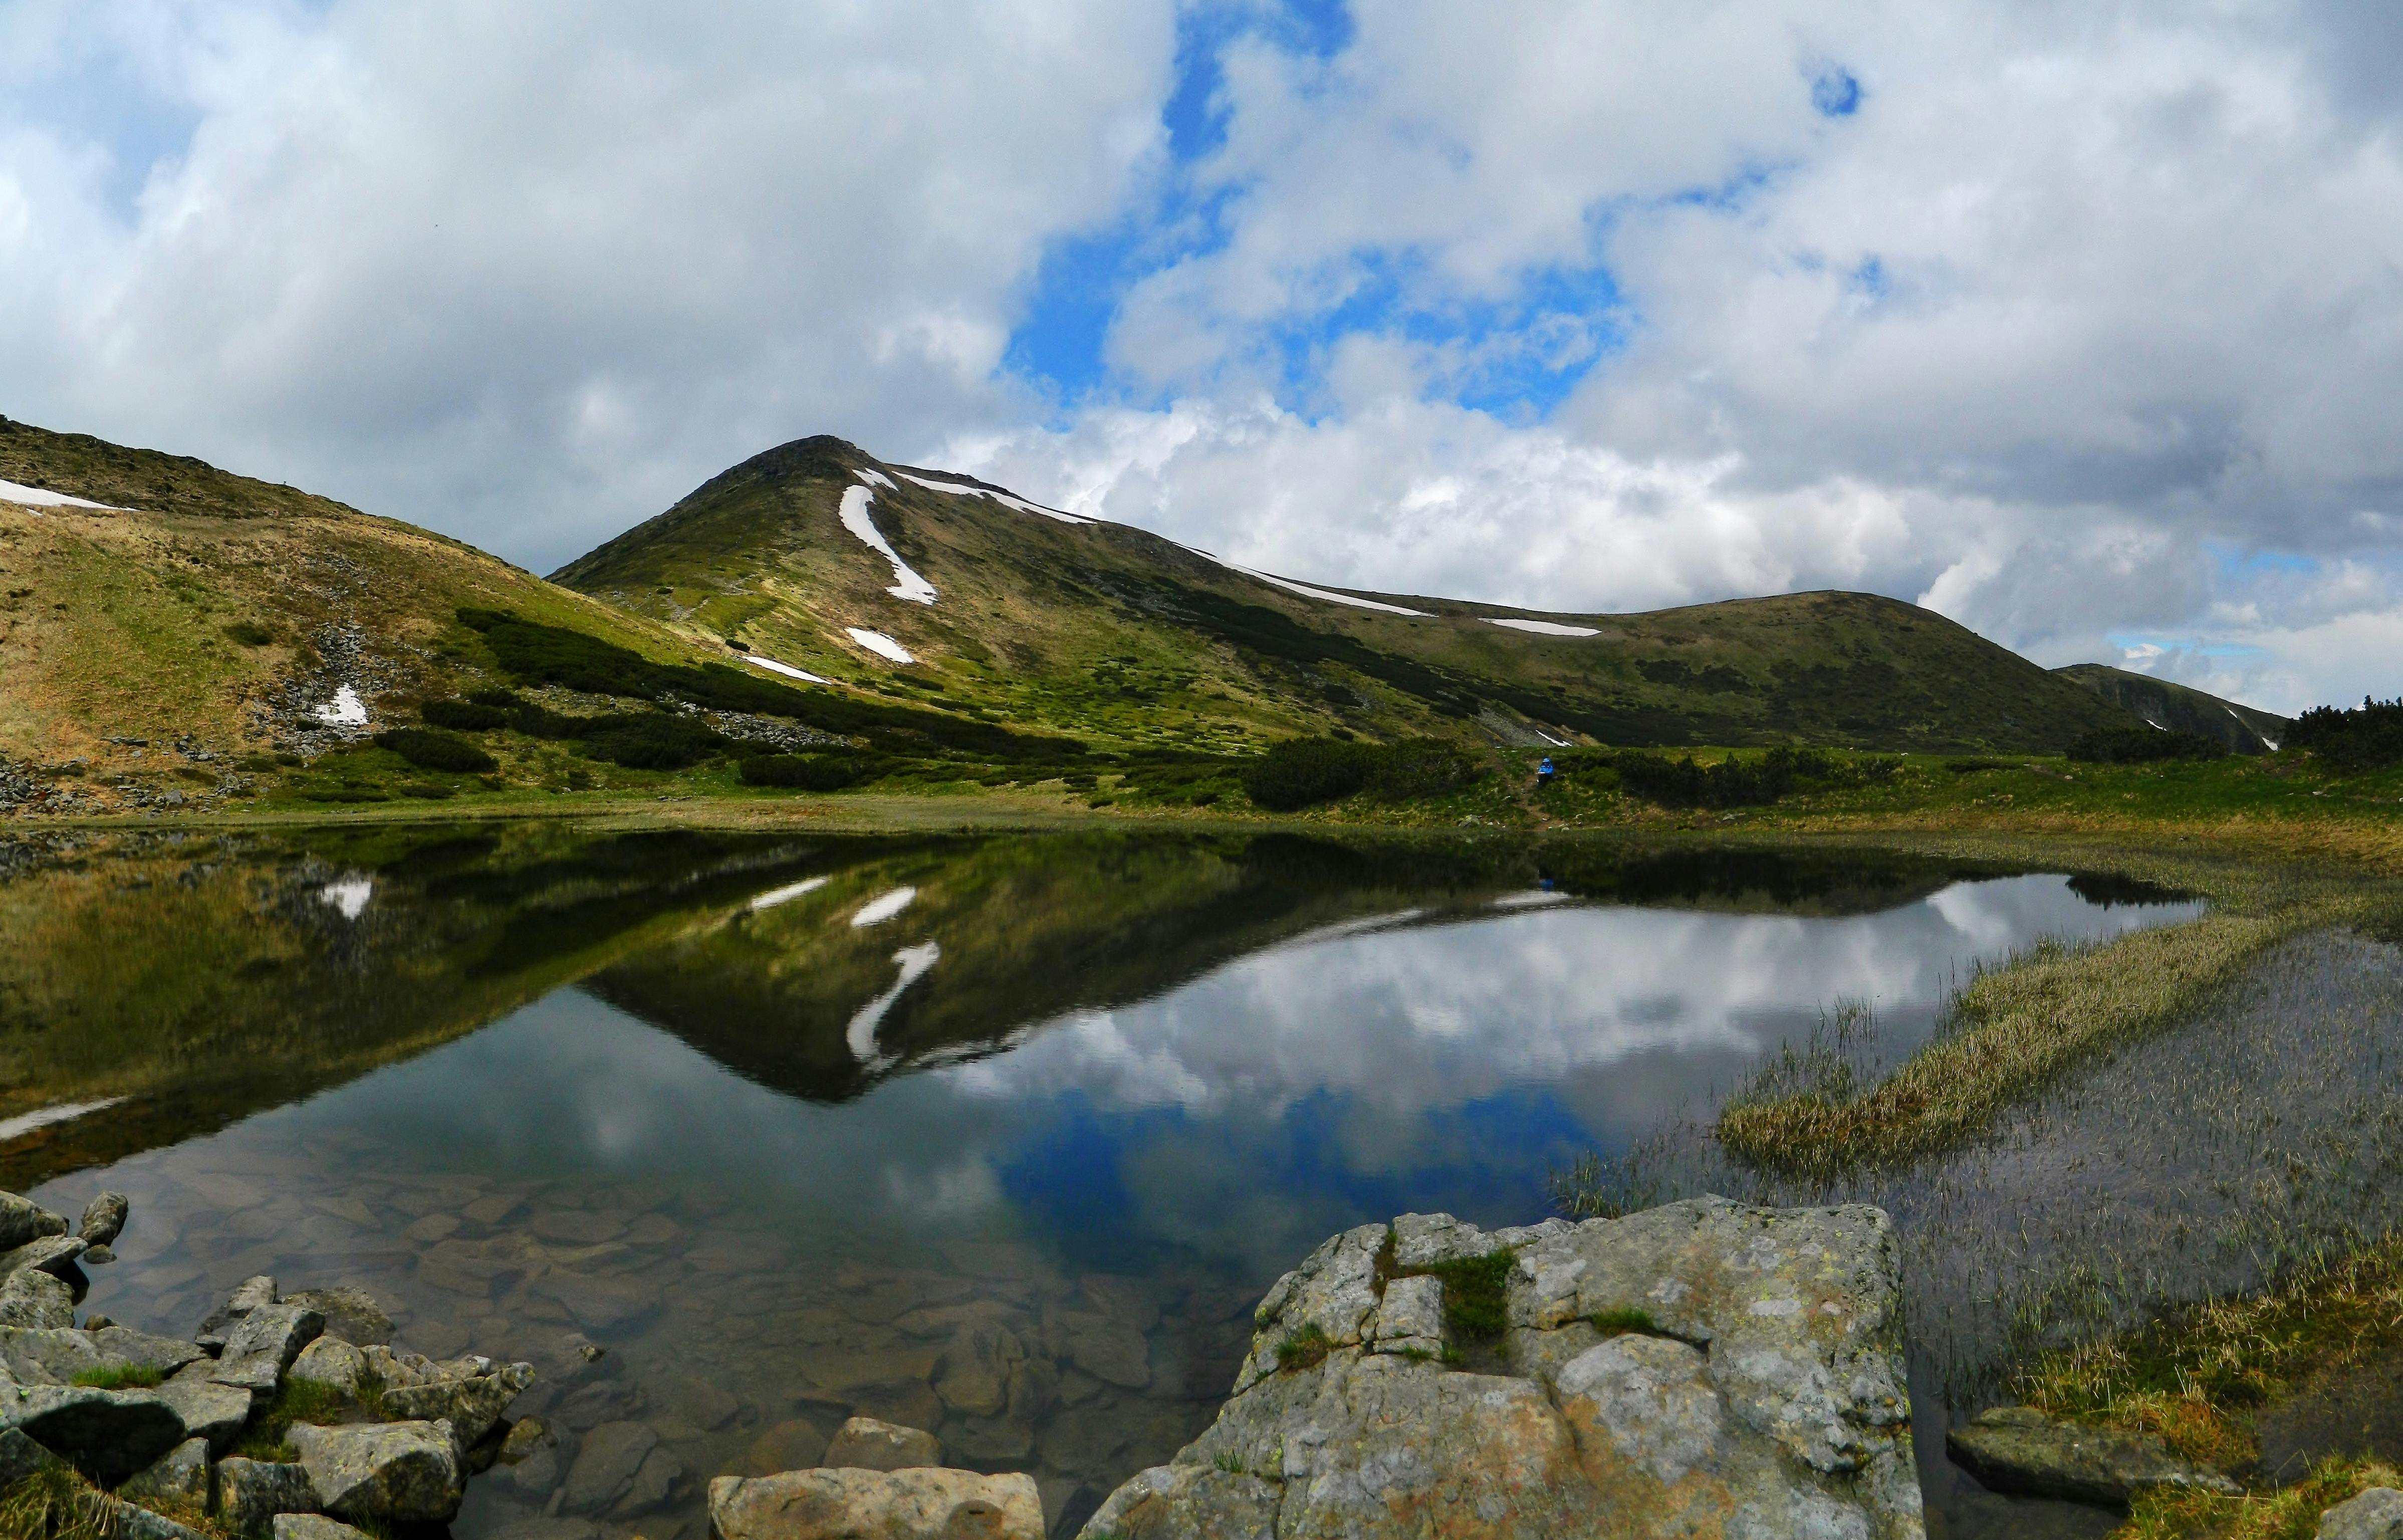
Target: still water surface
{"x": 1001, "y": 1138}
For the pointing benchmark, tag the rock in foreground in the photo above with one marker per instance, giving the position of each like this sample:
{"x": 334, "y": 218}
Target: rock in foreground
{"x": 1701, "y": 1369}
{"x": 918, "y": 1504}
{"x": 2376, "y": 1514}
{"x": 2021, "y": 1450}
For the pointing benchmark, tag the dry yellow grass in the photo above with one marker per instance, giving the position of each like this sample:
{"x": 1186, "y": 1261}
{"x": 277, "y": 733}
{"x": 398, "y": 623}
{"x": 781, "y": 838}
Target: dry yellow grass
{"x": 2017, "y": 1027}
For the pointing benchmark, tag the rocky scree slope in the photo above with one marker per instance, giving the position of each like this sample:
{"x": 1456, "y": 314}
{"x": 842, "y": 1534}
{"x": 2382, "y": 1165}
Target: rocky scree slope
{"x": 935, "y": 586}
{"x": 1699, "y": 1369}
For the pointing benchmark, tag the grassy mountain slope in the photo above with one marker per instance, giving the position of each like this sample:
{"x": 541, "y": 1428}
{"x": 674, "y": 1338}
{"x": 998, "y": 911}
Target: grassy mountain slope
{"x": 1126, "y": 638}
{"x": 226, "y": 612}
{"x": 2181, "y": 709}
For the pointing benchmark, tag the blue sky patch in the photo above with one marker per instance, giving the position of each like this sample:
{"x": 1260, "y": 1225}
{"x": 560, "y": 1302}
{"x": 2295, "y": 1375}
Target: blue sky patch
{"x": 1834, "y": 92}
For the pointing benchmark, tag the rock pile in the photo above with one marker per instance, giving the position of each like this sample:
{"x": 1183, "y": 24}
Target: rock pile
{"x": 881, "y": 1479}
{"x": 1699, "y": 1368}
{"x": 283, "y": 1415}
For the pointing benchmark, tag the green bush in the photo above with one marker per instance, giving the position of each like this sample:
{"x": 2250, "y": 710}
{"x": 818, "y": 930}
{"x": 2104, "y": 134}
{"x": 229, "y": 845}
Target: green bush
{"x": 652, "y": 740}
{"x": 1734, "y": 783}
{"x": 462, "y": 715}
{"x": 435, "y": 751}
{"x": 806, "y": 772}
{"x": 2369, "y": 737}
{"x": 2141, "y": 746}
{"x": 1301, "y": 773}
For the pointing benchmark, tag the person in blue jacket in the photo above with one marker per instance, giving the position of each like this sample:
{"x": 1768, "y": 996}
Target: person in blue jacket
{"x": 1543, "y": 772}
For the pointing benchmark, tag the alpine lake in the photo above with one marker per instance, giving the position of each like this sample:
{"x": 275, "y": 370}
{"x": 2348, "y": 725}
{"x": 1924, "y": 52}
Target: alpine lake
{"x": 735, "y": 1135}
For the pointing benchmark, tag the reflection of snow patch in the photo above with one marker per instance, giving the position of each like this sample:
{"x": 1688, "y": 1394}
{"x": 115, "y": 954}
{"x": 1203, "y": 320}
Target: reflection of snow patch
{"x": 786, "y": 894}
{"x": 877, "y": 478}
{"x": 345, "y": 710}
{"x": 65, "y": 1112}
{"x": 861, "y": 1034}
{"x": 350, "y": 895}
{"x": 1545, "y": 628}
{"x": 35, "y": 497}
{"x": 879, "y": 910}
{"x": 881, "y": 645}
{"x": 786, "y": 669}
{"x": 906, "y": 583}
{"x": 961, "y": 489}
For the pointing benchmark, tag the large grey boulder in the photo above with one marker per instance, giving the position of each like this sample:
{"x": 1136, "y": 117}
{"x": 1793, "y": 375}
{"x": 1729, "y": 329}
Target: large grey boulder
{"x": 51, "y": 1254}
{"x": 23, "y": 1220}
{"x": 251, "y": 1492}
{"x": 408, "y": 1472}
{"x": 261, "y": 1345}
{"x": 20, "y": 1457}
{"x": 38, "y": 1300}
{"x": 918, "y": 1504}
{"x": 166, "y": 1354}
{"x": 108, "y": 1435}
{"x": 1704, "y": 1368}
{"x": 209, "y": 1410}
{"x": 176, "y": 1481}
{"x": 247, "y": 1296}
{"x": 103, "y": 1219}
{"x": 864, "y": 1443}
{"x": 2021, "y": 1450}
{"x": 2376, "y": 1514}
{"x": 125, "y": 1520}
{"x": 50, "y": 1356}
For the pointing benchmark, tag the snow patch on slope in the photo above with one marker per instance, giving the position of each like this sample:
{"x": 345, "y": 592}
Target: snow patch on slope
{"x": 786, "y": 669}
{"x": 906, "y": 583}
{"x": 881, "y": 645}
{"x": 35, "y": 497}
{"x": 960, "y": 489}
{"x": 345, "y": 710}
{"x": 877, "y": 478}
{"x": 1546, "y": 627}
{"x": 1308, "y": 592}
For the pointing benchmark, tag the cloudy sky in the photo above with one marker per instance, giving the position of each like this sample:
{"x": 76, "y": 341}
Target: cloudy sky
{"x": 2082, "y": 323}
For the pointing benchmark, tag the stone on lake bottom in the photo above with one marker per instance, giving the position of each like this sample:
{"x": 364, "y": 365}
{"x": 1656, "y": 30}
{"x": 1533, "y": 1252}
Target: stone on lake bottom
{"x": 2376, "y": 1514}
{"x": 409, "y": 1472}
{"x": 2020, "y": 1451}
{"x": 313, "y": 1526}
{"x": 865, "y": 1443}
{"x": 251, "y": 1492}
{"x": 793, "y": 1445}
{"x": 608, "y": 1466}
{"x": 917, "y": 1503}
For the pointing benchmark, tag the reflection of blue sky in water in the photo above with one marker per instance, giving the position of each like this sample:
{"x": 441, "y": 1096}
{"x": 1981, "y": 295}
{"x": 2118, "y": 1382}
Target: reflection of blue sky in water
{"x": 1344, "y": 1077}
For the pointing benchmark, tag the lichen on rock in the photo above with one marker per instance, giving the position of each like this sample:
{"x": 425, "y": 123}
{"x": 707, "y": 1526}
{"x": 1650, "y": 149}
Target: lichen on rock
{"x": 1704, "y": 1368}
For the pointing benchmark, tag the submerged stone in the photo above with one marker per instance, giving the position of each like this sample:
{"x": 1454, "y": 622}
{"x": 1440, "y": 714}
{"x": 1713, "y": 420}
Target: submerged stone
{"x": 865, "y": 1443}
{"x": 916, "y": 1503}
{"x": 2021, "y": 1450}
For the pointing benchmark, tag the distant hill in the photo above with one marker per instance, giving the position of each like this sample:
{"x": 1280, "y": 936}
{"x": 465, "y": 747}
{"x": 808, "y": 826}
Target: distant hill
{"x": 2180, "y": 709}
{"x": 227, "y": 614}
{"x": 940, "y": 588}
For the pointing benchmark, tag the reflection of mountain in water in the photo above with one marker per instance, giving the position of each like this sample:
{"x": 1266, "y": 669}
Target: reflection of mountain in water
{"x": 203, "y": 979}
{"x": 998, "y": 939}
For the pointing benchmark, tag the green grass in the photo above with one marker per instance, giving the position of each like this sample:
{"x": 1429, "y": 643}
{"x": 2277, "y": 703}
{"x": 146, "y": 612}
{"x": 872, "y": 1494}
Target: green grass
{"x": 1627, "y": 1321}
{"x": 1305, "y": 1349}
{"x": 1476, "y": 1291}
{"x": 125, "y": 1376}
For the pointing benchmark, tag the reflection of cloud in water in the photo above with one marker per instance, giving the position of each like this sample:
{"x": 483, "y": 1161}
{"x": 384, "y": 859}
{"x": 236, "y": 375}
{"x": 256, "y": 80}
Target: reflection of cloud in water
{"x": 348, "y": 897}
{"x": 1443, "y": 1016}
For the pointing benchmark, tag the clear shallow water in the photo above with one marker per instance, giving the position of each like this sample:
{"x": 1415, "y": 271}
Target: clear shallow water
{"x": 1002, "y": 1139}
